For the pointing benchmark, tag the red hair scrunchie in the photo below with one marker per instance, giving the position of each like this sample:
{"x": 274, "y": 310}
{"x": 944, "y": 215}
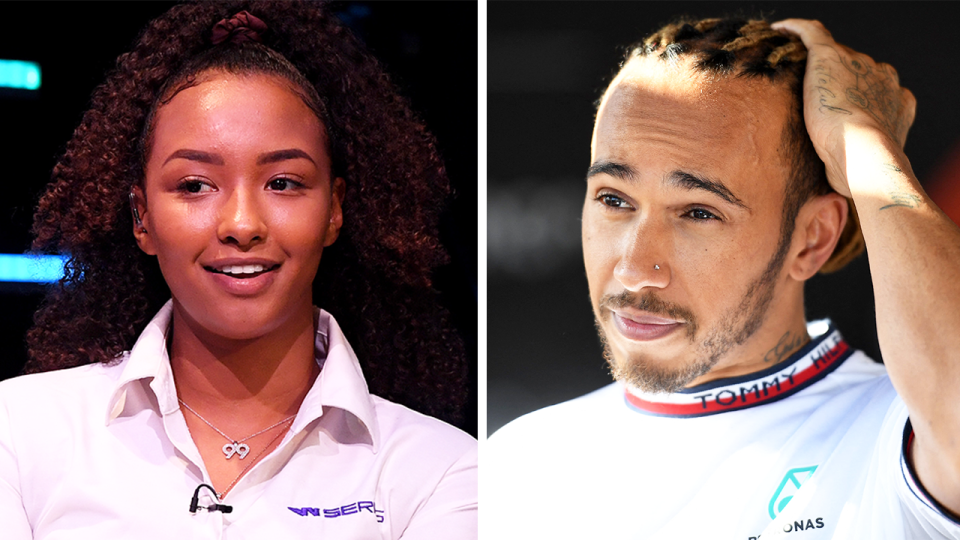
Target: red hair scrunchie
{"x": 241, "y": 27}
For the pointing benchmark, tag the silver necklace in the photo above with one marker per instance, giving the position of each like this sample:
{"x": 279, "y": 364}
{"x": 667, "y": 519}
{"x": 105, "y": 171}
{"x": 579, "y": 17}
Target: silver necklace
{"x": 235, "y": 446}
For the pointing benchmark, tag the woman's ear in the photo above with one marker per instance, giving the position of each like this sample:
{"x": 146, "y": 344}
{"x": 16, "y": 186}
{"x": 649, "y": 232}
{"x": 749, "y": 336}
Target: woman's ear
{"x": 138, "y": 208}
{"x": 337, "y": 191}
{"x": 819, "y": 224}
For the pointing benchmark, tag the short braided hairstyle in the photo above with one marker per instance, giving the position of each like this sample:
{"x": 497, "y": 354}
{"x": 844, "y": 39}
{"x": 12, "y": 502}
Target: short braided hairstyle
{"x": 750, "y": 48}
{"x": 375, "y": 279}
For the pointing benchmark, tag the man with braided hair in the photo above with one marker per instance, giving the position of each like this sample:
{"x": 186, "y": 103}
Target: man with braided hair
{"x": 731, "y": 161}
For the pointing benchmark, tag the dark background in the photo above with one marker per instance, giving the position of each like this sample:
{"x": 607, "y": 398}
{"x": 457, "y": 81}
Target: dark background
{"x": 547, "y": 64}
{"x": 430, "y": 49}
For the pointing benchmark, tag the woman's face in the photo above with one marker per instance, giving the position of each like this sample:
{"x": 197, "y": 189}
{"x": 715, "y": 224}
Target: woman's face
{"x": 238, "y": 203}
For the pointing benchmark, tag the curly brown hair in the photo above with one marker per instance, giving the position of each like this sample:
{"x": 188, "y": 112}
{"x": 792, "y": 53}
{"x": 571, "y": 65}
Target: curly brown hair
{"x": 741, "y": 47}
{"x": 376, "y": 279}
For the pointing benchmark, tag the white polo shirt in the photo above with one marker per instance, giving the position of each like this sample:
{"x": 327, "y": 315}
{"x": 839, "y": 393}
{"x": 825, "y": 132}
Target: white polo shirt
{"x": 103, "y": 452}
{"x": 811, "y": 448}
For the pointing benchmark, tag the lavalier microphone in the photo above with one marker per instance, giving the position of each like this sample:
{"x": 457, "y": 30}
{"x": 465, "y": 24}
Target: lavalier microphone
{"x": 216, "y": 507}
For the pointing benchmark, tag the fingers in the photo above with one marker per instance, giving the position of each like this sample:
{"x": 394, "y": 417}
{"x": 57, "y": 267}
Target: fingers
{"x": 809, "y": 32}
{"x": 910, "y": 104}
{"x": 889, "y": 70}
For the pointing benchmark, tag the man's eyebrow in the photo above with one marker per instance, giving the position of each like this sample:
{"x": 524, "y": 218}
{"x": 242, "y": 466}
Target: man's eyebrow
{"x": 195, "y": 155}
{"x": 692, "y": 181}
{"x": 282, "y": 155}
{"x": 679, "y": 179}
{"x": 618, "y": 170}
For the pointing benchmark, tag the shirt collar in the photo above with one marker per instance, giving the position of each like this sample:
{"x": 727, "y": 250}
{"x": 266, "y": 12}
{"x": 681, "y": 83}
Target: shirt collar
{"x": 340, "y": 383}
{"x": 148, "y": 361}
{"x": 824, "y": 353}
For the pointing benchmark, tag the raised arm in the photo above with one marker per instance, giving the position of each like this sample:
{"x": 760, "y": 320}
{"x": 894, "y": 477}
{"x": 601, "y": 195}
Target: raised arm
{"x": 858, "y": 117}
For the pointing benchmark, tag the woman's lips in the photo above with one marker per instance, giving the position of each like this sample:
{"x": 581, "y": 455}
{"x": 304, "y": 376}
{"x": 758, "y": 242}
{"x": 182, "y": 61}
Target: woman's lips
{"x": 244, "y": 284}
{"x": 643, "y": 327}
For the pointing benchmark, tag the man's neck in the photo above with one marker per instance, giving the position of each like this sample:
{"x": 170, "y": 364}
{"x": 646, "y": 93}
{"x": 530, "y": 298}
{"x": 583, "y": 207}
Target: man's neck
{"x": 783, "y": 333}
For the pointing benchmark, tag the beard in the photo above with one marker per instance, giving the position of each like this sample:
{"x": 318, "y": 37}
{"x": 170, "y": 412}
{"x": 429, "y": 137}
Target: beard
{"x": 733, "y": 329}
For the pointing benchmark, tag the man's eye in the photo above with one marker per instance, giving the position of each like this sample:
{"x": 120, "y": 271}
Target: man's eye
{"x": 608, "y": 199}
{"x": 701, "y": 215}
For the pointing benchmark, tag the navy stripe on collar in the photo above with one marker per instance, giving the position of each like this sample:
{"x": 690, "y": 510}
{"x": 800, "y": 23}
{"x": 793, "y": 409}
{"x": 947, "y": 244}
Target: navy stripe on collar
{"x": 807, "y": 366}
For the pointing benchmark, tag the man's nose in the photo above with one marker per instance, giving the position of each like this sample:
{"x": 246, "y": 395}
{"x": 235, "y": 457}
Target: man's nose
{"x": 241, "y": 220}
{"x": 643, "y": 261}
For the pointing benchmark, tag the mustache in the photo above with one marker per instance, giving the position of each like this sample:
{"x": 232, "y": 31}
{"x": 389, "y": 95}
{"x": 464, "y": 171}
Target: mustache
{"x": 650, "y": 303}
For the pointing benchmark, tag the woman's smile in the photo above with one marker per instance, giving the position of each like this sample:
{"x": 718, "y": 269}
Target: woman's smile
{"x": 243, "y": 278}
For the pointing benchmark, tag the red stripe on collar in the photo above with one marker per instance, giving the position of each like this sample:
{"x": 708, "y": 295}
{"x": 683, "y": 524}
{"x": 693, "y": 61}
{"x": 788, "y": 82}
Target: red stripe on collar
{"x": 811, "y": 364}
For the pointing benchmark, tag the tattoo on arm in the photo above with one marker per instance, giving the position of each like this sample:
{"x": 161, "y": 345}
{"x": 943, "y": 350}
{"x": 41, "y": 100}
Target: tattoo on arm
{"x": 787, "y": 345}
{"x": 892, "y": 167}
{"x": 901, "y": 198}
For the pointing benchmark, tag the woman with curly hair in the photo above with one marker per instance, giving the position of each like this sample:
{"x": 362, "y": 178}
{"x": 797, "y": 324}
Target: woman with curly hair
{"x": 234, "y": 148}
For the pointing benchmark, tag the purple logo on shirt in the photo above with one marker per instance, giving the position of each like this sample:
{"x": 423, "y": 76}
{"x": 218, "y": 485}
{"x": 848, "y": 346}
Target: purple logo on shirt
{"x": 340, "y": 511}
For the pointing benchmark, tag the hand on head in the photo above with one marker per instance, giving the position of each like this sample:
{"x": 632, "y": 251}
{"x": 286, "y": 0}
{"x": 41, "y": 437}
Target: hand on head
{"x": 847, "y": 92}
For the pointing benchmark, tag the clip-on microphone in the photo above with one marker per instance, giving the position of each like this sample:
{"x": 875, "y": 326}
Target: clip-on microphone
{"x": 216, "y": 507}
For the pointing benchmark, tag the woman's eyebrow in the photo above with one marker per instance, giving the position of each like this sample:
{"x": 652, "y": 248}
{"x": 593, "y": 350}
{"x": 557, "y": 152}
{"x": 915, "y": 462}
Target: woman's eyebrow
{"x": 282, "y": 155}
{"x": 195, "y": 155}
{"x": 262, "y": 159}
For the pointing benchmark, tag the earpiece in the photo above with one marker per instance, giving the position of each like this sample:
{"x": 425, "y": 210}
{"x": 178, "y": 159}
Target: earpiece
{"x": 136, "y": 213}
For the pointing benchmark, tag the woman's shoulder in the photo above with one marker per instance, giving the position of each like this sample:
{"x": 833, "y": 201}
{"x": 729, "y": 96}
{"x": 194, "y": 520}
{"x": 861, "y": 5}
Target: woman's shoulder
{"x": 403, "y": 427}
{"x": 91, "y": 381}
{"x": 427, "y": 460}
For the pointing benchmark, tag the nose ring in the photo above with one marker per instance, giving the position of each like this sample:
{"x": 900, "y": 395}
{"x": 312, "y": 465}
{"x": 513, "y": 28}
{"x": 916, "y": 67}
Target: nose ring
{"x": 656, "y": 267}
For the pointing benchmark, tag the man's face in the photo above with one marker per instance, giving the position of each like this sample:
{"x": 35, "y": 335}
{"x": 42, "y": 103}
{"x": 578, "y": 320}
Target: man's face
{"x": 682, "y": 221}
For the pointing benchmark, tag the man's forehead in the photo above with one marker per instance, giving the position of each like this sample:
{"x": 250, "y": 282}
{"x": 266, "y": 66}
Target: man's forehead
{"x": 652, "y": 86}
{"x": 659, "y": 117}
{"x": 663, "y": 99}
{"x": 659, "y": 76}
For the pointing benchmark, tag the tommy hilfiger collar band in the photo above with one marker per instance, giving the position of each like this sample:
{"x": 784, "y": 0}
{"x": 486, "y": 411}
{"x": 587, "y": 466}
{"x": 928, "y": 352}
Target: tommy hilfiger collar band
{"x": 811, "y": 363}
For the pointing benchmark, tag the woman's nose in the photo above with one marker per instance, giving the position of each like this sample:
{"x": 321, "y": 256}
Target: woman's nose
{"x": 241, "y": 220}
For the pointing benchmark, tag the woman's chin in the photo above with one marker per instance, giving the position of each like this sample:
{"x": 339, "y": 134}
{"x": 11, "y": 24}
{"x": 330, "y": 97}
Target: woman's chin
{"x": 237, "y": 322}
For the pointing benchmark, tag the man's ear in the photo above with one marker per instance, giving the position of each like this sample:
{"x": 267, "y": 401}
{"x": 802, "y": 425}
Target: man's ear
{"x": 138, "y": 208}
{"x": 819, "y": 224}
{"x": 337, "y": 190}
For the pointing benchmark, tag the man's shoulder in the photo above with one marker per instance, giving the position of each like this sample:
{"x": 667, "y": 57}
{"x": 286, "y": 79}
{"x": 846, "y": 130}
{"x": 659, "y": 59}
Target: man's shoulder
{"x": 544, "y": 424}
{"x": 858, "y": 374}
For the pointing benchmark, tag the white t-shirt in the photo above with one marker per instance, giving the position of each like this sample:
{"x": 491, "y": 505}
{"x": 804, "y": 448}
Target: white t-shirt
{"x": 823, "y": 431}
{"x": 103, "y": 452}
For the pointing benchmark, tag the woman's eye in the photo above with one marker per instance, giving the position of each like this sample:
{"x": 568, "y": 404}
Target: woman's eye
{"x": 701, "y": 215}
{"x": 193, "y": 186}
{"x": 282, "y": 184}
{"x": 613, "y": 201}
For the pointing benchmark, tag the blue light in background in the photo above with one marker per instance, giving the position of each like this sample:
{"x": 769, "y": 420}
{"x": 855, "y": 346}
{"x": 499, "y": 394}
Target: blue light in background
{"x": 31, "y": 268}
{"x": 19, "y": 74}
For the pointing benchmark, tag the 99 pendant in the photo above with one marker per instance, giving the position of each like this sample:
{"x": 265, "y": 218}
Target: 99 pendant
{"x": 239, "y": 448}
